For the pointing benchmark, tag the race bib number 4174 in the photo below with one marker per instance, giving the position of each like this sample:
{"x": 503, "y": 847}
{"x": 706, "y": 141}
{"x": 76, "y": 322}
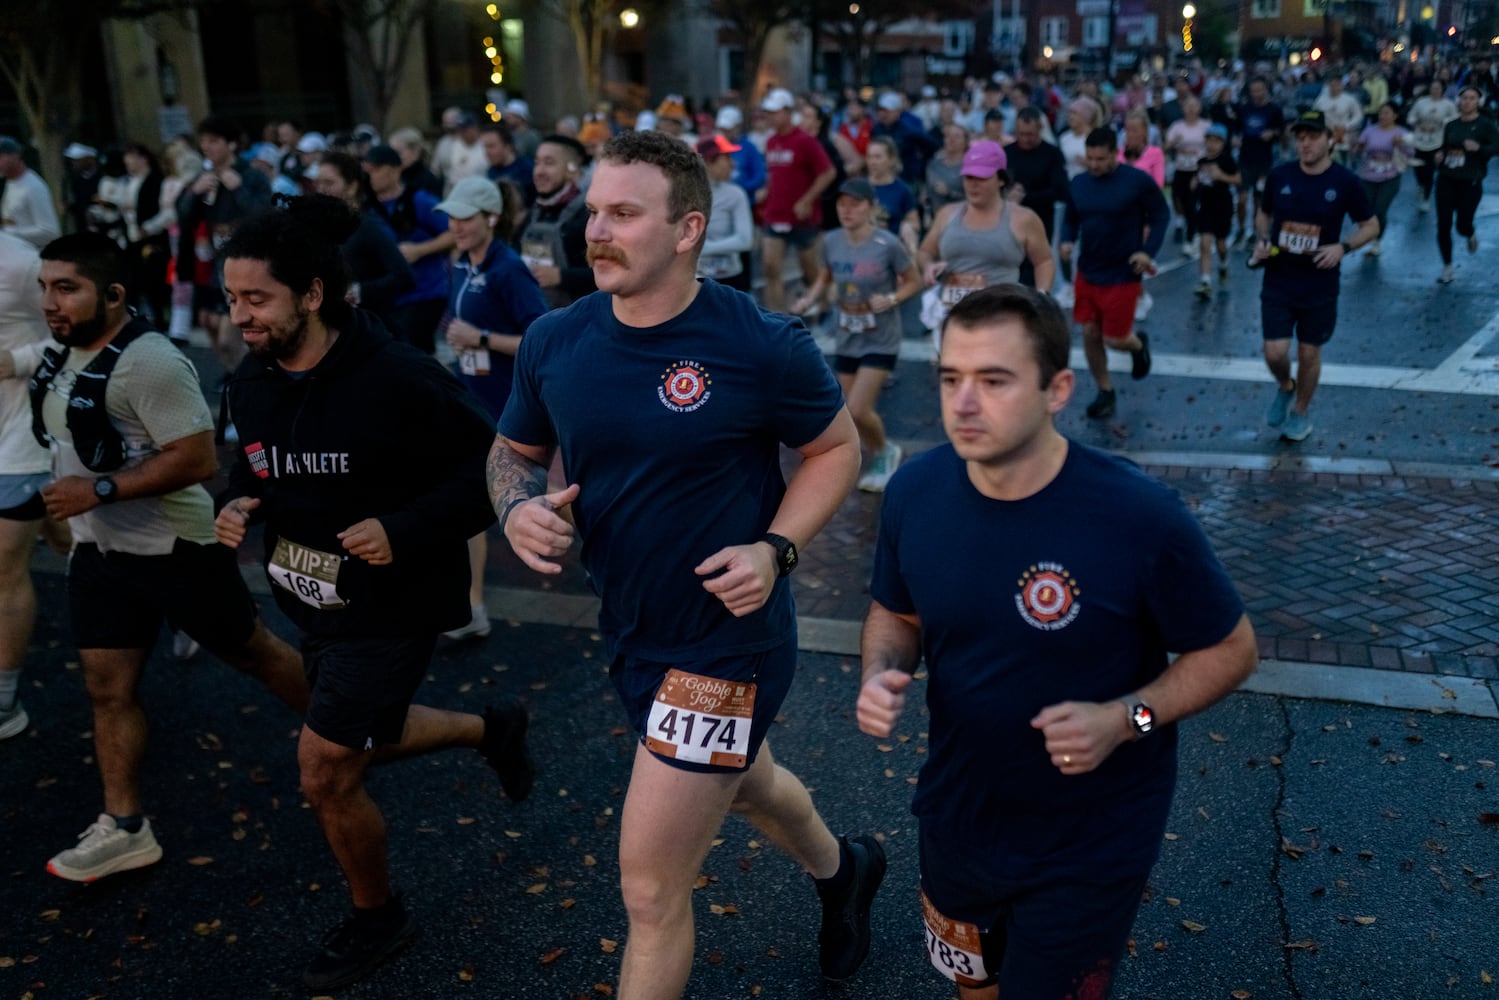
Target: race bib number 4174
{"x": 701, "y": 719}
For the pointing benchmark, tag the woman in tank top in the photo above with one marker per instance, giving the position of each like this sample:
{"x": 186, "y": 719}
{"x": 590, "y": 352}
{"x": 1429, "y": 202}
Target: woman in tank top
{"x": 983, "y": 240}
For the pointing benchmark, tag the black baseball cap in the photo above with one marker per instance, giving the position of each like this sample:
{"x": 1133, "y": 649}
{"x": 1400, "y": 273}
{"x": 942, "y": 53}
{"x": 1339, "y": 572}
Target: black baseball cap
{"x": 1315, "y": 121}
{"x": 382, "y": 156}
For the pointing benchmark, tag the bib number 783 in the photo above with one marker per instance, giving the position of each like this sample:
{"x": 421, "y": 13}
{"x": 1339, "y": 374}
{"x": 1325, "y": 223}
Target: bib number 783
{"x": 954, "y": 948}
{"x": 701, "y": 719}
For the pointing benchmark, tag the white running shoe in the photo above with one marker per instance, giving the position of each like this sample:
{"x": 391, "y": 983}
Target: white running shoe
{"x": 1064, "y": 296}
{"x": 1375, "y": 249}
{"x": 477, "y": 627}
{"x": 1473, "y": 243}
{"x": 881, "y": 468}
{"x": 1142, "y": 306}
{"x": 13, "y": 721}
{"x": 104, "y": 849}
{"x": 1446, "y": 277}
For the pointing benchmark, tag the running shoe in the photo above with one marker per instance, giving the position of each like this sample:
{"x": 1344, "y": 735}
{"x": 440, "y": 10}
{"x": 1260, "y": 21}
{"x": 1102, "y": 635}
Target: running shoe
{"x": 1102, "y": 406}
{"x": 1142, "y": 306}
{"x": 1446, "y": 277}
{"x": 1204, "y": 289}
{"x": 843, "y": 941}
{"x": 104, "y": 849}
{"x": 881, "y": 468}
{"x": 477, "y": 627}
{"x": 1375, "y": 249}
{"x": 1222, "y": 270}
{"x": 357, "y": 947}
{"x": 1140, "y": 359}
{"x": 13, "y": 720}
{"x": 1280, "y": 406}
{"x": 1425, "y": 205}
{"x": 1065, "y": 297}
{"x": 504, "y": 747}
{"x": 1473, "y": 243}
{"x": 1298, "y": 427}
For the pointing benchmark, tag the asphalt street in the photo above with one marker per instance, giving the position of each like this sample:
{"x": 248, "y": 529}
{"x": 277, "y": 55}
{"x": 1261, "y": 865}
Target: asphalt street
{"x": 1316, "y": 850}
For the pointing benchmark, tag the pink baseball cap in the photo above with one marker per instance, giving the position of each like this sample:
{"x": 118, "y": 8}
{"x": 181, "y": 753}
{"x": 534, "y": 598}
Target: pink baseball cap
{"x": 984, "y": 159}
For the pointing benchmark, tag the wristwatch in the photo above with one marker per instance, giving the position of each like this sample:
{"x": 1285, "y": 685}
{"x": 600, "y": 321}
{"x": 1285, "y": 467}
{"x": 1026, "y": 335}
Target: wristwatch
{"x": 1141, "y": 717}
{"x": 484, "y": 341}
{"x": 1347, "y": 248}
{"x": 785, "y": 552}
{"x": 105, "y": 490}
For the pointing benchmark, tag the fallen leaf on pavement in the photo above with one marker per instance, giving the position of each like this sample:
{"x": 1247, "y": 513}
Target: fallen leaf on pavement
{"x": 552, "y": 956}
{"x": 1194, "y": 926}
{"x": 200, "y": 860}
{"x": 607, "y": 946}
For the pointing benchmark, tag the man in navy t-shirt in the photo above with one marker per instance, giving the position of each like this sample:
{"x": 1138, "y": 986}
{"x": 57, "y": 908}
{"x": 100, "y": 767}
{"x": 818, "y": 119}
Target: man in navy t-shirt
{"x": 669, "y": 400}
{"x": 1299, "y": 226}
{"x": 1045, "y": 618}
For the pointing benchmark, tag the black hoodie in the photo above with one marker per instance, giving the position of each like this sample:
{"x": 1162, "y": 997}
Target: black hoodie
{"x": 376, "y": 429}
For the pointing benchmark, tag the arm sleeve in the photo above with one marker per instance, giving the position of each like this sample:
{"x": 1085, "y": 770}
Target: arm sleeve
{"x": 392, "y": 277}
{"x": 242, "y": 481}
{"x": 886, "y": 584}
{"x": 525, "y": 419}
{"x": 806, "y": 397}
{"x": 162, "y": 391}
{"x": 458, "y": 502}
{"x": 1157, "y": 215}
{"x": 742, "y": 237}
{"x": 1187, "y": 590}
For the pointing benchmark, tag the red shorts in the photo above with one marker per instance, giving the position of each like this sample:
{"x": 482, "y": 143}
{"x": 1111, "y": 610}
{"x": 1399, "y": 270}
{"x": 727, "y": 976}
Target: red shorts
{"x": 1109, "y": 307}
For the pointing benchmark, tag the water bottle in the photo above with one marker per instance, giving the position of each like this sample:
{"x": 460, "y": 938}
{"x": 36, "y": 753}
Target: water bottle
{"x": 213, "y": 194}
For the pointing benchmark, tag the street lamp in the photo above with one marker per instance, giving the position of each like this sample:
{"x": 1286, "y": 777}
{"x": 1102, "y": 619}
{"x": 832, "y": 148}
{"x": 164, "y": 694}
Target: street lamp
{"x": 629, "y": 17}
{"x": 1188, "y": 11}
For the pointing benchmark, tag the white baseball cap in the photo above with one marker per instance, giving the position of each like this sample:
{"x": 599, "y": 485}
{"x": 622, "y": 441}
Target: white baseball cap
{"x": 729, "y": 117}
{"x": 78, "y": 151}
{"x": 890, "y": 101}
{"x": 517, "y": 108}
{"x": 779, "y": 99}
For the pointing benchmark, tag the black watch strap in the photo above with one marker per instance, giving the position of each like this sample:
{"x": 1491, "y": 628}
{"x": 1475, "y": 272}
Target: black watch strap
{"x": 786, "y": 556}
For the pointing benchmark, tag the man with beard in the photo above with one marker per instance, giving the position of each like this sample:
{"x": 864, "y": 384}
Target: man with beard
{"x": 131, "y": 440}
{"x": 364, "y": 459}
{"x": 551, "y": 239}
{"x": 669, "y": 400}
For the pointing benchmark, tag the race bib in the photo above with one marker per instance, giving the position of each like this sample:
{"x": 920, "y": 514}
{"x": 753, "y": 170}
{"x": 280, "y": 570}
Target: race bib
{"x": 307, "y": 574}
{"x": 701, "y": 719}
{"x": 534, "y": 254}
{"x": 473, "y": 361}
{"x": 953, "y": 947}
{"x": 955, "y": 287}
{"x": 1455, "y": 160}
{"x": 1300, "y": 237}
{"x": 1205, "y": 177}
{"x": 719, "y": 265}
{"x": 855, "y": 317}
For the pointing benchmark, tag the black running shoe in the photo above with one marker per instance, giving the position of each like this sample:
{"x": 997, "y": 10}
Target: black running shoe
{"x": 1102, "y": 406}
{"x": 504, "y": 747}
{"x": 357, "y": 947}
{"x": 1140, "y": 360}
{"x": 843, "y": 942}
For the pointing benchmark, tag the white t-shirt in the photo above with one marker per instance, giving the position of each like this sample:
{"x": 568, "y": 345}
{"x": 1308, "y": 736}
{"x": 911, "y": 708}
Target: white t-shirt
{"x": 1190, "y": 143}
{"x": 1343, "y": 112}
{"x": 1428, "y": 121}
{"x": 24, "y": 333}
{"x": 28, "y": 212}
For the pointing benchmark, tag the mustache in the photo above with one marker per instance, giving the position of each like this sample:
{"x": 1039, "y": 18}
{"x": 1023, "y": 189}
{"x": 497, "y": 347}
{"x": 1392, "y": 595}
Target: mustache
{"x": 603, "y": 251}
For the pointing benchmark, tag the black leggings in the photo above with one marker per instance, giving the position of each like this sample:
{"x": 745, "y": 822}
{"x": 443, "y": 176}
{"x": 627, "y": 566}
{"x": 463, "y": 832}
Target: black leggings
{"x": 1460, "y": 198}
{"x": 1182, "y": 200}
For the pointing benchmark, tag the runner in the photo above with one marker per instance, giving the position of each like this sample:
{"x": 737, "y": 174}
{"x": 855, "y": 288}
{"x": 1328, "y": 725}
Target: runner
{"x": 984, "y": 239}
{"x": 1428, "y": 119}
{"x": 423, "y": 239}
{"x": 1186, "y": 141}
{"x": 1261, "y": 123}
{"x": 869, "y": 273}
{"x": 1300, "y": 245}
{"x": 362, "y": 457}
{"x": 688, "y": 392}
{"x": 1119, "y": 216}
{"x": 24, "y": 467}
{"x": 131, "y": 439}
{"x": 1468, "y": 142}
{"x": 798, "y": 171}
{"x": 1213, "y": 206}
{"x": 1046, "y": 630}
{"x": 1383, "y": 149}
{"x": 551, "y": 237}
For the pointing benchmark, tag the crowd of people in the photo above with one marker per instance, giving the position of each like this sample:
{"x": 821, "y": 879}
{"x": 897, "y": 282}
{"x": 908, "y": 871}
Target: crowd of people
{"x": 531, "y": 323}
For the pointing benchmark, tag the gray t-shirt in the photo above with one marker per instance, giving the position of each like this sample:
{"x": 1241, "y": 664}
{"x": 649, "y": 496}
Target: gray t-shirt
{"x": 862, "y": 270}
{"x": 153, "y": 399}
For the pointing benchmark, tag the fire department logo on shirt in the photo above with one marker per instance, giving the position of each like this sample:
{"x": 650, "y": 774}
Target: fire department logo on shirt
{"x": 685, "y": 386}
{"x": 1048, "y": 597}
{"x": 256, "y": 454}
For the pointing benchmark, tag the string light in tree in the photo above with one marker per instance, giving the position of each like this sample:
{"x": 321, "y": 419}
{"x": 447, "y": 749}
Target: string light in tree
{"x": 496, "y": 60}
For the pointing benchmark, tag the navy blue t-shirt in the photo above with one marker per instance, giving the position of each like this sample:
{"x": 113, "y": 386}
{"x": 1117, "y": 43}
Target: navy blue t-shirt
{"x": 1254, "y": 119}
{"x": 1306, "y": 212}
{"x": 500, "y": 296}
{"x": 894, "y": 201}
{"x": 1074, "y": 594}
{"x": 673, "y": 436}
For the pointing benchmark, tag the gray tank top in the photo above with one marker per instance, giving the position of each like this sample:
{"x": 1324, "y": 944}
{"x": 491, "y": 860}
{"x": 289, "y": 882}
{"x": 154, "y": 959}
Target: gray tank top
{"x": 994, "y": 254}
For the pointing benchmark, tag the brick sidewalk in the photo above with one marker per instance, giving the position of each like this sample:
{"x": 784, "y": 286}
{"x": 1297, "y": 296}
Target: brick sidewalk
{"x": 1368, "y": 571}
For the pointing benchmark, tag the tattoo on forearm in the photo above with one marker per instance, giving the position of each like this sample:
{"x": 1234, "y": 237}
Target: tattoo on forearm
{"x": 511, "y": 476}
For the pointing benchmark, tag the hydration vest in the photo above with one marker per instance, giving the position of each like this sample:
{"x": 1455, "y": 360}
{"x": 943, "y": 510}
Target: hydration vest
{"x": 95, "y": 437}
